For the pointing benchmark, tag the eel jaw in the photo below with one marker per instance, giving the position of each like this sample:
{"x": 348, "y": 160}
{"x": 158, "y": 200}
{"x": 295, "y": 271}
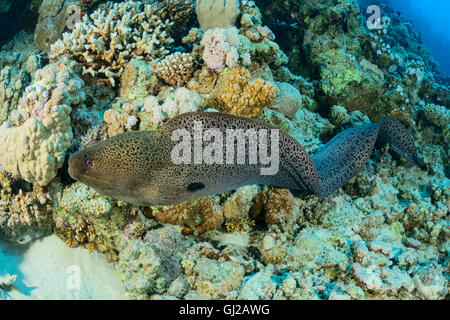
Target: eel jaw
{"x": 75, "y": 165}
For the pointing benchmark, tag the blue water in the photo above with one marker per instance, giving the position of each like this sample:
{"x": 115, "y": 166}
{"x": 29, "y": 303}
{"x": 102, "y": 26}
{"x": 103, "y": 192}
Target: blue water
{"x": 431, "y": 18}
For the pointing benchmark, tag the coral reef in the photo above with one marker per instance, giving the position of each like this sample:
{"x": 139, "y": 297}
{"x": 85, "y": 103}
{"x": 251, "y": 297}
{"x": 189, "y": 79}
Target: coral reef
{"x": 376, "y": 71}
{"x": 35, "y": 148}
{"x": 127, "y": 30}
{"x": 310, "y": 68}
{"x": 53, "y": 19}
{"x": 18, "y": 63}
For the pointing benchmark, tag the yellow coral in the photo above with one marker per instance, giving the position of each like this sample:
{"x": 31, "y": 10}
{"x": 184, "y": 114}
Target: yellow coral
{"x": 203, "y": 82}
{"x": 5, "y": 187}
{"x": 237, "y": 94}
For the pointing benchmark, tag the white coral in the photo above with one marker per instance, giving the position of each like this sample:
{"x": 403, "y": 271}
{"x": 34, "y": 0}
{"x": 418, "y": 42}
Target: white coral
{"x": 36, "y": 150}
{"x": 217, "y": 13}
{"x": 183, "y": 100}
{"x": 34, "y": 145}
{"x": 221, "y": 48}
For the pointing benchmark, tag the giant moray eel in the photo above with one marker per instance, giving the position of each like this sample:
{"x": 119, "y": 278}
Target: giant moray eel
{"x": 137, "y": 167}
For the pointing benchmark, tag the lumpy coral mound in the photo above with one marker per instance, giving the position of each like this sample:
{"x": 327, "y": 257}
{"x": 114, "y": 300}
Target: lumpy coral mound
{"x": 104, "y": 41}
{"x": 237, "y": 94}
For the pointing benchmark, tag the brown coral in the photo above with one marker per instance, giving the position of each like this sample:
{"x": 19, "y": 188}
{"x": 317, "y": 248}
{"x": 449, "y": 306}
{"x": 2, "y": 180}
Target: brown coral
{"x": 278, "y": 205}
{"x": 203, "y": 82}
{"x": 239, "y": 225}
{"x": 197, "y": 214}
{"x": 175, "y": 69}
{"x": 237, "y": 94}
{"x": 115, "y": 121}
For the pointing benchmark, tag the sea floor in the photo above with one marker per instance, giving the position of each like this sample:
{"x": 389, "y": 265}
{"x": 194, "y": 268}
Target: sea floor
{"x": 48, "y": 269}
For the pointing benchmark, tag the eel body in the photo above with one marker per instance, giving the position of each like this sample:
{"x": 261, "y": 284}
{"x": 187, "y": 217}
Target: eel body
{"x": 139, "y": 167}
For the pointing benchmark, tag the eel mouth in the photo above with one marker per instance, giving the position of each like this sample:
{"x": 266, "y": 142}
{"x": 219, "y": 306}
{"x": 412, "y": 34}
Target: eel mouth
{"x": 76, "y": 166}
{"x": 78, "y": 171}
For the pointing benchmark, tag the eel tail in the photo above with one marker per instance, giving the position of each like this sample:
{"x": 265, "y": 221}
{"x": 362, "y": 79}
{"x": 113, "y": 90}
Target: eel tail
{"x": 346, "y": 154}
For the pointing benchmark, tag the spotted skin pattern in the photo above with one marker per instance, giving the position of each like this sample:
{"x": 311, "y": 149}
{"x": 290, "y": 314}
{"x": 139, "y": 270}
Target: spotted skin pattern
{"x": 137, "y": 167}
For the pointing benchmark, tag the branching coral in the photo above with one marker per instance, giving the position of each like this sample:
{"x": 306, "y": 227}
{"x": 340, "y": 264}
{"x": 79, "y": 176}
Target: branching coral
{"x": 237, "y": 94}
{"x": 175, "y": 69}
{"x": 110, "y": 37}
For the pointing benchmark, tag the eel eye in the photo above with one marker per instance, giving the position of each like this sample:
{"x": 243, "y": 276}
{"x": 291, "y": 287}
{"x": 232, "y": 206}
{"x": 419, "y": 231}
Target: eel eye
{"x": 89, "y": 163}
